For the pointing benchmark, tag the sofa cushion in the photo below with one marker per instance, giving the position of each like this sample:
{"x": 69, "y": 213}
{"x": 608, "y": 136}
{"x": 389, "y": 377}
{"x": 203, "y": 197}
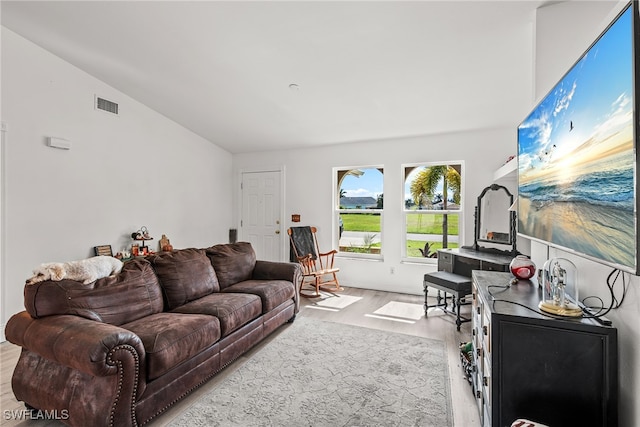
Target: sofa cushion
{"x": 272, "y": 293}
{"x": 233, "y": 310}
{"x": 184, "y": 275}
{"x": 171, "y": 338}
{"x": 127, "y": 296}
{"x": 233, "y": 262}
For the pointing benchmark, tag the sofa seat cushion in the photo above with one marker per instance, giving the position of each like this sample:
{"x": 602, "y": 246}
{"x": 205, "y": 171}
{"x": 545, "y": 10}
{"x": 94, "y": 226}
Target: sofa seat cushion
{"x": 233, "y": 262}
{"x": 272, "y": 293}
{"x": 184, "y": 275}
{"x": 233, "y": 310}
{"x": 171, "y": 338}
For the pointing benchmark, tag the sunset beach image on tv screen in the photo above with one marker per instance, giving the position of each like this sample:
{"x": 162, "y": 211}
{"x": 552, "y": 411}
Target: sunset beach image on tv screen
{"x": 576, "y": 155}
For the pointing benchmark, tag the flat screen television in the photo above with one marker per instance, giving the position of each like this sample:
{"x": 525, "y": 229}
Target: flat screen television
{"x": 577, "y": 154}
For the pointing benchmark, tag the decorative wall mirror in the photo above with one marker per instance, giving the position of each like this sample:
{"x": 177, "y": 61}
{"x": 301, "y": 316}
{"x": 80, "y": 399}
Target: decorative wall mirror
{"x": 494, "y": 222}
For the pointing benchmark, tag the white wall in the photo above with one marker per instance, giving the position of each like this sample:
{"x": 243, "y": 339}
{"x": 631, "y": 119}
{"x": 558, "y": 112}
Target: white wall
{"x": 558, "y": 46}
{"x": 122, "y": 172}
{"x": 309, "y": 192}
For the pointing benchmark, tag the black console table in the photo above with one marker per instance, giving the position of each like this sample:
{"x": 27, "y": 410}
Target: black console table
{"x": 556, "y": 371}
{"x": 454, "y": 276}
{"x": 464, "y": 260}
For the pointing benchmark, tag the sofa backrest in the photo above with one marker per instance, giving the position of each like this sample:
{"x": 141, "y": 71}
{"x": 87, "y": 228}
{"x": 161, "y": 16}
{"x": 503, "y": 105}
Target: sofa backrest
{"x": 233, "y": 262}
{"x": 119, "y": 299}
{"x": 184, "y": 275}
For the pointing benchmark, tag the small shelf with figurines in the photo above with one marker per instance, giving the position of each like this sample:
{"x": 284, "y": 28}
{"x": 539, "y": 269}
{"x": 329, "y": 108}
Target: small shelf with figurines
{"x": 507, "y": 172}
{"x": 139, "y": 246}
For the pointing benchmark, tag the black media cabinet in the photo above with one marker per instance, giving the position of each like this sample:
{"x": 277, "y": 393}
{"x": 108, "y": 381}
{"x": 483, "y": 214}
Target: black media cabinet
{"x": 554, "y": 371}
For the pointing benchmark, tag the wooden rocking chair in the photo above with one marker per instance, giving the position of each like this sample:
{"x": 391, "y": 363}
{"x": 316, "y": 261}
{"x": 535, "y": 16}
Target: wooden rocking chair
{"x": 317, "y": 267}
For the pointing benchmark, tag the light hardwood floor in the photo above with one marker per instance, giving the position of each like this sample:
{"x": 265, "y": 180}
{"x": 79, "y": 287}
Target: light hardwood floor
{"x": 387, "y": 311}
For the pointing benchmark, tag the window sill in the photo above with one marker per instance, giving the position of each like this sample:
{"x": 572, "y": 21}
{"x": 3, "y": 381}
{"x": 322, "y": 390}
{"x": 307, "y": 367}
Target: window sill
{"x": 359, "y": 257}
{"x": 419, "y": 261}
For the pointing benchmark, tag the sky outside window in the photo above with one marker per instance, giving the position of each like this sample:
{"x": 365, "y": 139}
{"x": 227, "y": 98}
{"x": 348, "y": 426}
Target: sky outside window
{"x": 367, "y": 185}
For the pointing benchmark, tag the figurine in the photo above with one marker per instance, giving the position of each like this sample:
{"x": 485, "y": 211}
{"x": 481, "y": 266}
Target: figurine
{"x": 165, "y": 244}
{"x": 559, "y": 282}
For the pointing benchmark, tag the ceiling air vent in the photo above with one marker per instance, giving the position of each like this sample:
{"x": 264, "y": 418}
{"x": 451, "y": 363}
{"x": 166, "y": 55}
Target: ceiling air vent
{"x": 106, "y": 105}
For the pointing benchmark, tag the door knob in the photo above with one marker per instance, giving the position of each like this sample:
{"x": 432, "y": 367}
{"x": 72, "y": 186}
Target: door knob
{"x": 277, "y": 231}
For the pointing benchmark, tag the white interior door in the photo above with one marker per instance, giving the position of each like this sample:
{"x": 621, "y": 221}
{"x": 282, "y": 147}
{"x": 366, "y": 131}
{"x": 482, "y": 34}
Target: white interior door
{"x": 261, "y": 222}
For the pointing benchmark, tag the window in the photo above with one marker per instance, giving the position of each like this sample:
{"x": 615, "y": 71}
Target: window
{"x": 432, "y": 209}
{"x": 359, "y": 204}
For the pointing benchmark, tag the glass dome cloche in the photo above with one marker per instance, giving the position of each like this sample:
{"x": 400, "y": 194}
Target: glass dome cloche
{"x": 560, "y": 288}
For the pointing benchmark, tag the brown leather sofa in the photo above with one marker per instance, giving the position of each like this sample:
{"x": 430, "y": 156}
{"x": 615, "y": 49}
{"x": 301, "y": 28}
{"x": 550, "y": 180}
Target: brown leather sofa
{"x": 121, "y": 350}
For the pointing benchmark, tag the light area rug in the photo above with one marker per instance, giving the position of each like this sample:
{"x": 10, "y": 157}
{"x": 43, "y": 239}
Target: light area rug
{"x": 318, "y": 373}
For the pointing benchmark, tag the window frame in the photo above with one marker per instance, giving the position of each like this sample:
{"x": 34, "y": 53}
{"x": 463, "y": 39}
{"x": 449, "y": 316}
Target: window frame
{"x": 406, "y": 212}
{"x": 337, "y": 181}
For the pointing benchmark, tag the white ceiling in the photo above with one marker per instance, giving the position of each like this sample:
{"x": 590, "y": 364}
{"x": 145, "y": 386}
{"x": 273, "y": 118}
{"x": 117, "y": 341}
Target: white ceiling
{"x": 364, "y": 70}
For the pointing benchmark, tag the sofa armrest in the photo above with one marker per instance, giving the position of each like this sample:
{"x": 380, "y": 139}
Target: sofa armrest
{"x": 91, "y": 370}
{"x": 270, "y": 270}
{"x": 86, "y": 345}
{"x": 290, "y": 271}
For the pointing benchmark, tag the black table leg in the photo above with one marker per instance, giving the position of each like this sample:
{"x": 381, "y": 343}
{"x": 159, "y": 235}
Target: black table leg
{"x": 458, "y": 321}
{"x": 426, "y": 304}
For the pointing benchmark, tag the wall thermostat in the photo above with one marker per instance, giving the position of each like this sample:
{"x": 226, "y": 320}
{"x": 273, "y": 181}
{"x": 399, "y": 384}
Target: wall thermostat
{"x": 58, "y": 143}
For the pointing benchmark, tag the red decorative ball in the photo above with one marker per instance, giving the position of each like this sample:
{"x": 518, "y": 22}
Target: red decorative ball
{"x": 522, "y": 267}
